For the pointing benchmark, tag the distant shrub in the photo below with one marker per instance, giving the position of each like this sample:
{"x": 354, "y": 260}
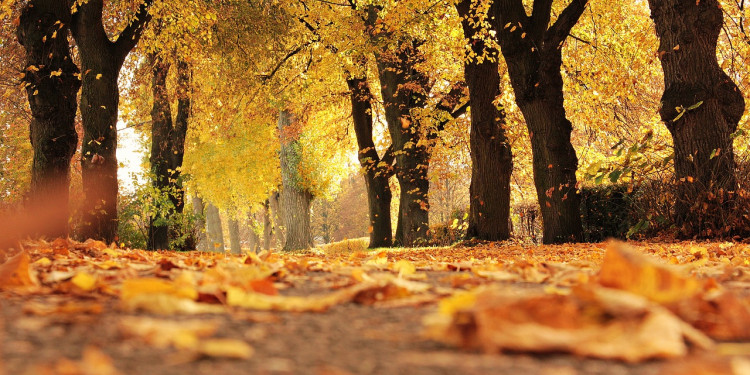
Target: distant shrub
{"x": 606, "y": 212}
{"x": 446, "y": 234}
{"x": 526, "y": 221}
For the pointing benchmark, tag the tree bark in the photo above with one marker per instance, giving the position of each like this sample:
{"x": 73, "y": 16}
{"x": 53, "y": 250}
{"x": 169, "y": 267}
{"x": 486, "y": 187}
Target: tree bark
{"x": 533, "y": 52}
{"x": 214, "y": 230}
{"x": 52, "y": 83}
{"x": 200, "y": 224}
{"x": 161, "y": 127}
{"x": 278, "y": 231}
{"x": 167, "y": 147}
{"x": 267, "y": 226}
{"x": 403, "y": 90}
{"x": 179, "y": 134}
{"x": 377, "y": 170}
{"x": 491, "y": 156}
{"x": 294, "y": 198}
{"x": 101, "y": 60}
{"x": 234, "y": 237}
{"x": 701, "y": 107}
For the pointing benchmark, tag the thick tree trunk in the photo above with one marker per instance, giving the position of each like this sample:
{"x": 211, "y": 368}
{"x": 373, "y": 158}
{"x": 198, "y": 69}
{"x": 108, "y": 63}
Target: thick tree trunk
{"x": 295, "y": 208}
{"x": 376, "y": 170}
{"x": 701, "y": 107}
{"x": 161, "y": 129}
{"x": 214, "y": 230}
{"x": 534, "y": 58}
{"x": 167, "y": 147}
{"x": 403, "y": 90}
{"x": 234, "y": 237}
{"x": 52, "y": 85}
{"x": 101, "y": 60}
{"x": 491, "y": 157}
{"x": 199, "y": 209}
{"x": 294, "y": 199}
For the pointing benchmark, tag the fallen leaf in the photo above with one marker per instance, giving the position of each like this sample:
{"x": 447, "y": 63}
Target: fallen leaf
{"x": 625, "y": 269}
{"x": 16, "y": 272}
{"x": 594, "y": 322}
{"x": 225, "y": 348}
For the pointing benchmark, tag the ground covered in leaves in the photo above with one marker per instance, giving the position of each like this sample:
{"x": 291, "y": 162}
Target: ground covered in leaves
{"x": 640, "y": 308}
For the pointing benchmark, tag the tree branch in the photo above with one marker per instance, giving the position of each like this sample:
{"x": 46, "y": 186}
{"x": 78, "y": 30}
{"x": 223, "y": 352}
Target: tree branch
{"x": 132, "y": 33}
{"x": 557, "y": 34}
{"x": 540, "y": 17}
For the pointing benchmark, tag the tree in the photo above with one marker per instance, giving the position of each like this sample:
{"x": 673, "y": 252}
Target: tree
{"x": 491, "y": 156}
{"x": 101, "y": 61}
{"x": 295, "y": 199}
{"x": 51, "y": 79}
{"x": 167, "y": 146}
{"x": 532, "y": 49}
{"x": 234, "y": 236}
{"x": 403, "y": 88}
{"x": 701, "y": 106}
{"x": 377, "y": 170}
{"x": 199, "y": 210}
{"x": 214, "y": 230}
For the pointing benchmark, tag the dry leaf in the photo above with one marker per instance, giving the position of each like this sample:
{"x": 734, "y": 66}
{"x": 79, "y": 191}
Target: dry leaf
{"x": 163, "y": 333}
{"x": 627, "y": 270}
{"x": 225, "y": 348}
{"x": 595, "y": 322}
{"x": 16, "y": 272}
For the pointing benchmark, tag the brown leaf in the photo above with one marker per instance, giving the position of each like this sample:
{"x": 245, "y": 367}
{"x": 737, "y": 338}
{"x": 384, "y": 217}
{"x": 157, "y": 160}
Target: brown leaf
{"x": 16, "y": 272}
{"x": 595, "y": 322}
{"x": 625, "y": 269}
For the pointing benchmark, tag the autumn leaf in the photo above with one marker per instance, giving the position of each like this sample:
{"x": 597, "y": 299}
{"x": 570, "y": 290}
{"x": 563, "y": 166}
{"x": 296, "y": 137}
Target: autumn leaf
{"x": 16, "y": 272}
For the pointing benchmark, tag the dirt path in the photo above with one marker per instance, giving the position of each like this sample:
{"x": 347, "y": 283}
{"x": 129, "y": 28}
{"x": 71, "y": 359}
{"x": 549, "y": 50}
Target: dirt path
{"x": 347, "y": 339}
{"x": 82, "y": 332}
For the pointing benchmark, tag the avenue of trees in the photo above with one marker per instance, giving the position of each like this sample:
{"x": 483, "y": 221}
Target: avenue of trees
{"x": 257, "y": 112}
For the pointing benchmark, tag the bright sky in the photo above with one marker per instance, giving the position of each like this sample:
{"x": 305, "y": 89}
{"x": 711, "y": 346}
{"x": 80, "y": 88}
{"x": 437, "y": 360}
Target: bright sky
{"x": 130, "y": 155}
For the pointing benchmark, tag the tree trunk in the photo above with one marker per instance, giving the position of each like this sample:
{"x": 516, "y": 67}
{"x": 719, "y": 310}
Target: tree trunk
{"x": 278, "y": 232}
{"x": 253, "y": 238}
{"x": 167, "y": 147}
{"x": 179, "y": 134}
{"x": 492, "y": 160}
{"x": 214, "y": 230}
{"x": 161, "y": 128}
{"x": 534, "y": 58}
{"x": 267, "y": 226}
{"x": 377, "y": 171}
{"x": 403, "y": 90}
{"x": 701, "y": 107}
{"x": 101, "y": 60}
{"x": 294, "y": 198}
{"x": 51, "y": 85}
{"x": 234, "y": 237}
{"x": 200, "y": 224}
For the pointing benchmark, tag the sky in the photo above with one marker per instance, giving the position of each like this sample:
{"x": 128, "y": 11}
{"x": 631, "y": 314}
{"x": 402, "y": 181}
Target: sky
{"x": 130, "y": 154}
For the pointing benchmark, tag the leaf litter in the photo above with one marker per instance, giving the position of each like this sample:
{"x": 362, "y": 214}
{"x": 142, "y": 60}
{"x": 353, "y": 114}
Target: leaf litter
{"x": 613, "y": 301}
